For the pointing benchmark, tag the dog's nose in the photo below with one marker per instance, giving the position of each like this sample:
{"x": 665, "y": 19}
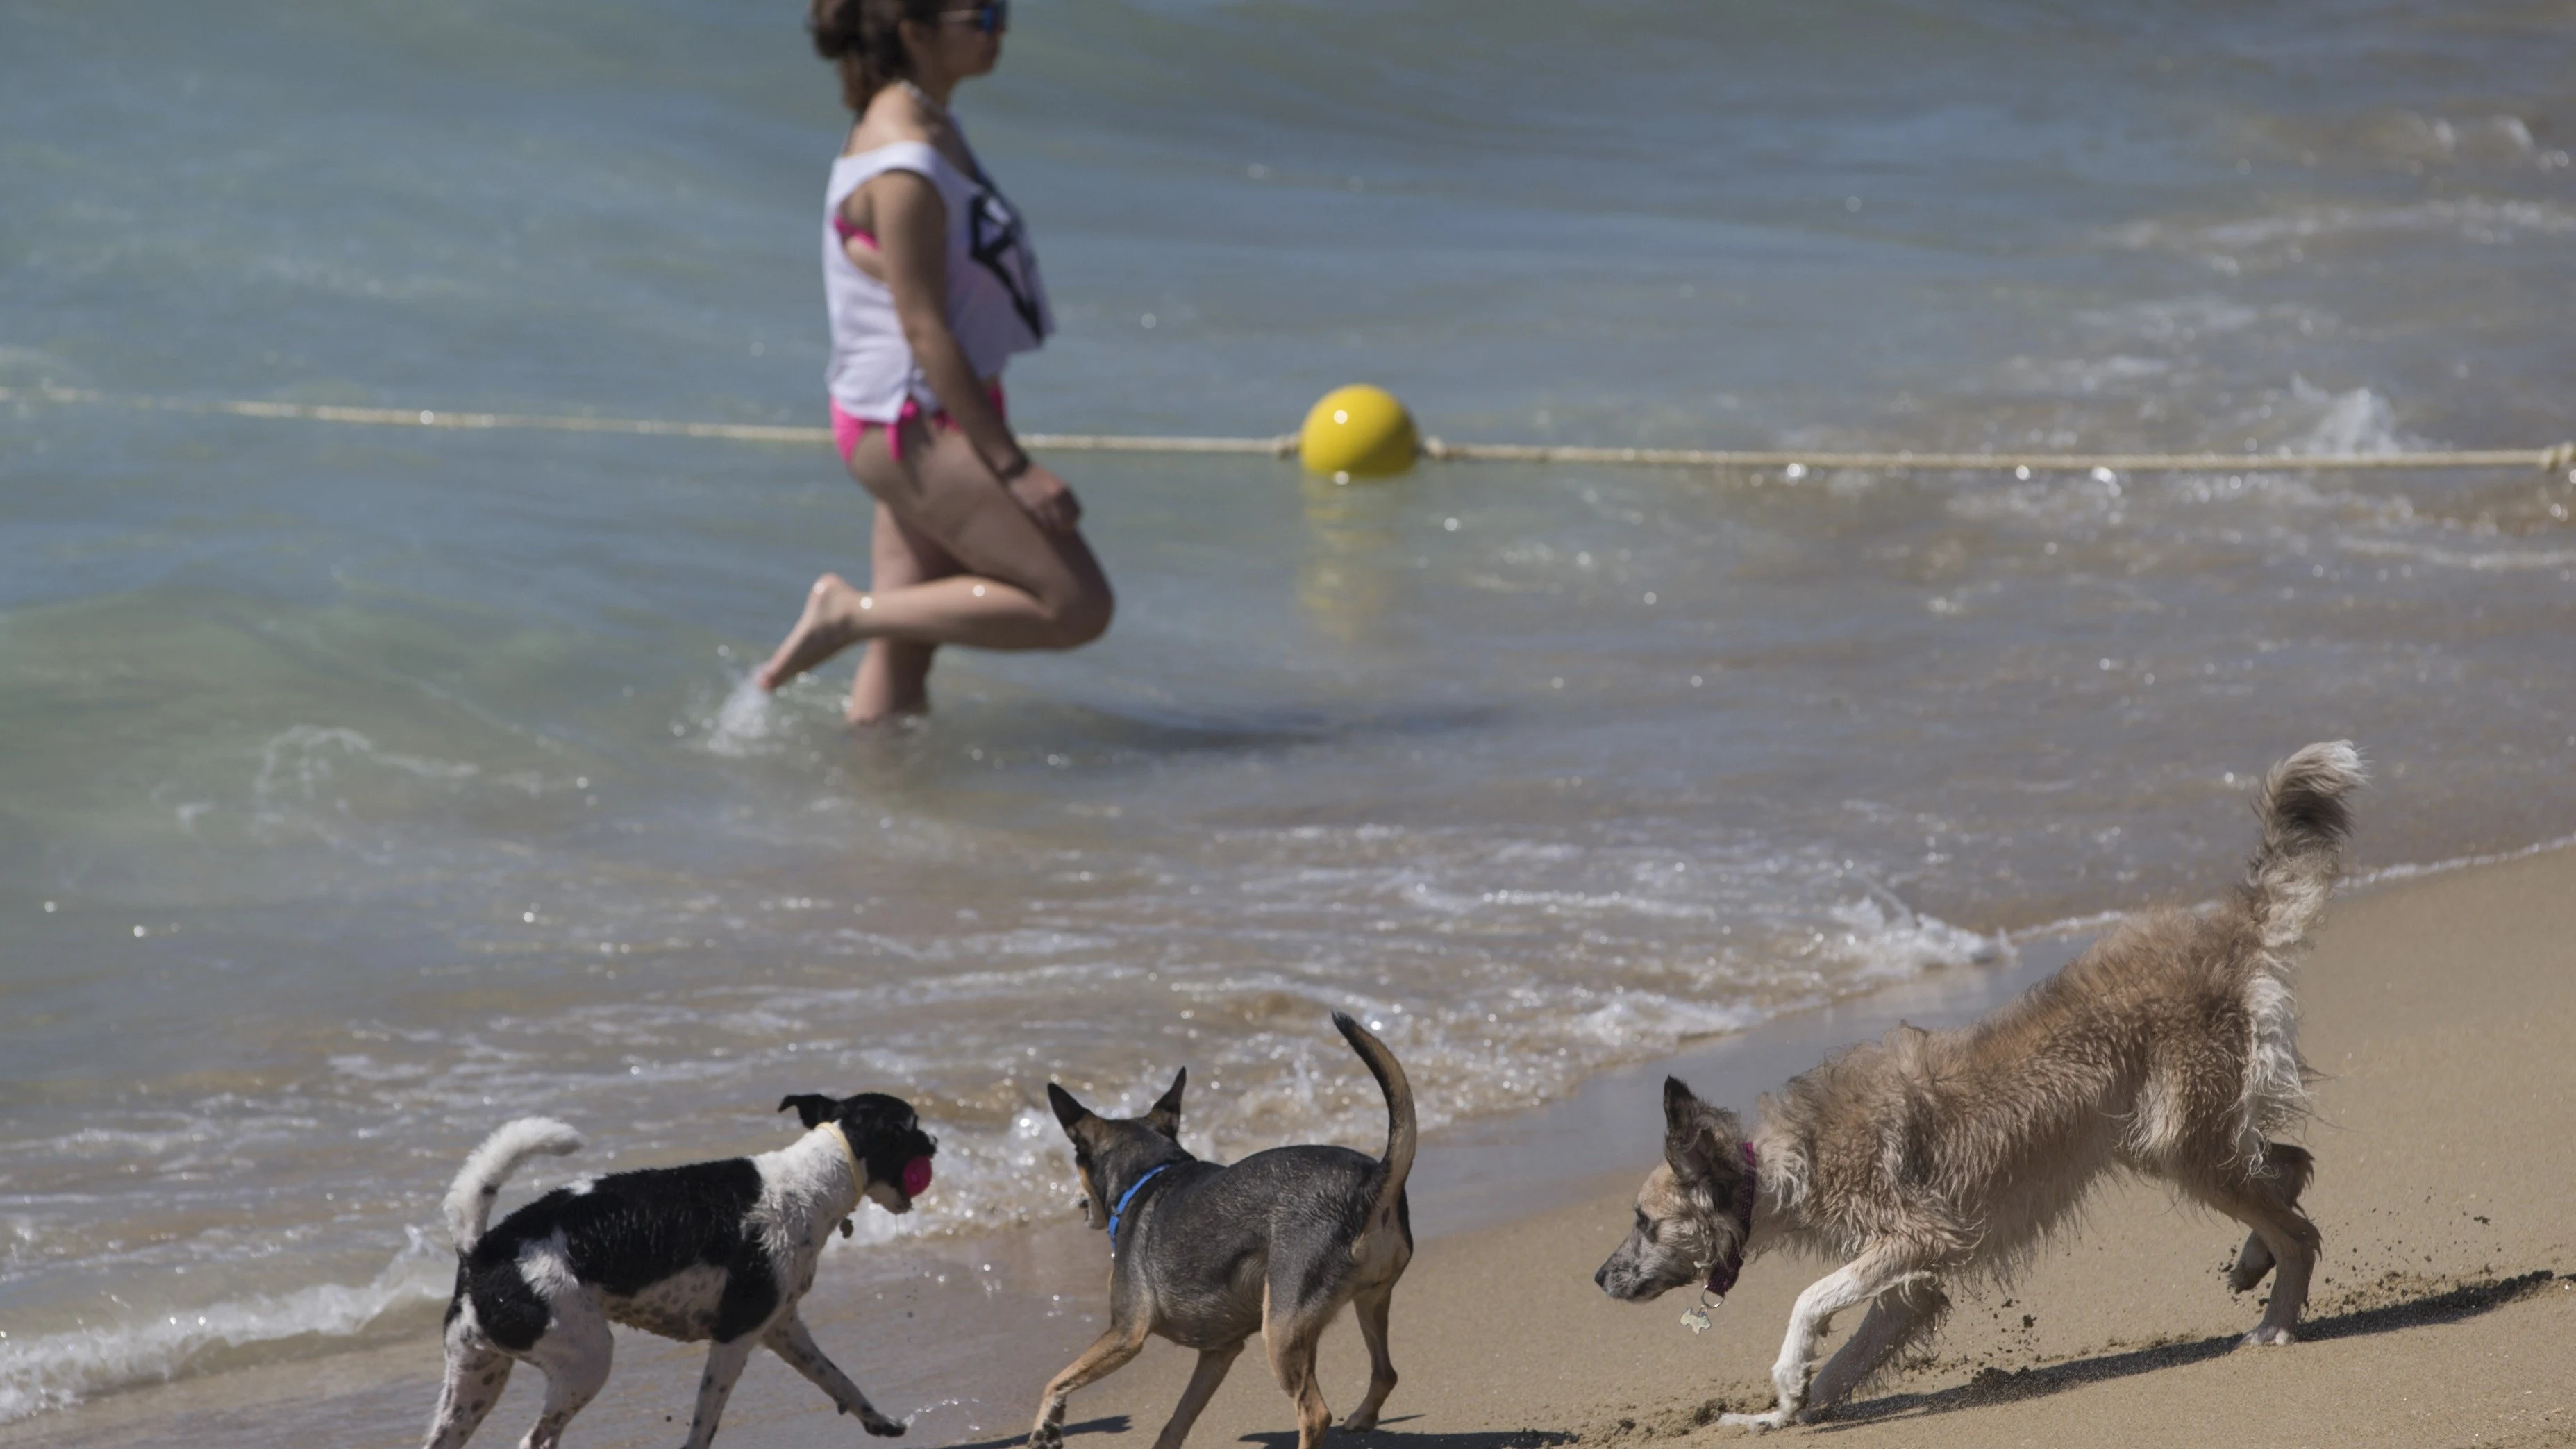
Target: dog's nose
{"x": 1601, "y": 1278}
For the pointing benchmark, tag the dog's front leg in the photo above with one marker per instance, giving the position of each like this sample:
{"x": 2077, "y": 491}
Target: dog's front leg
{"x": 791, "y": 1340}
{"x": 1901, "y": 1316}
{"x": 1857, "y": 1281}
{"x": 724, "y": 1366}
{"x": 1107, "y": 1355}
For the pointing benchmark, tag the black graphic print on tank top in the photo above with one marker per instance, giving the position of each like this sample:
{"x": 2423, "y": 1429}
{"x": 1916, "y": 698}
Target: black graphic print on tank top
{"x": 1000, "y": 245}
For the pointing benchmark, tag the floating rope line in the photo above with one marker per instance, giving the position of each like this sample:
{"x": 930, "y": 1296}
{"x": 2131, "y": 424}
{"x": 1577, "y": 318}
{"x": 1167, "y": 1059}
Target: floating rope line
{"x": 2557, "y": 457}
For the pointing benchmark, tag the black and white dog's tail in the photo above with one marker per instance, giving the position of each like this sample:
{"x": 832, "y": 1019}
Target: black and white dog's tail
{"x": 1398, "y": 1162}
{"x": 469, "y": 1202}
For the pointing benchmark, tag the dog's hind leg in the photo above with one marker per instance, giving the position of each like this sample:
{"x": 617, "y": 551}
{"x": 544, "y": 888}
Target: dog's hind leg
{"x": 1857, "y": 1281}
{"x": 2255, "y": 1259}
{"x": 2266, "y": 1200}
{"x": 715, "y": 1385}
{"x": 1292, "y": 1361}
{"x": 1370, "y": 1308}
{"x": 476, "y": 1374}
{"x": 1108, "y": 1353}
{"x": 791, "y": 1340}
{"x": 574, "y": 1354}
{"x": 1213, "y": 1364}
{"x": 1901, "y": 1316}
{"x": 1290, "y": 1337}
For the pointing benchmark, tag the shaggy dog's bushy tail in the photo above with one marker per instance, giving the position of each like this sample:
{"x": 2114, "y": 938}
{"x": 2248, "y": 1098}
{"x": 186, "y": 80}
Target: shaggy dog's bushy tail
{"x": 469, "y": 1202}
{"x": 2305, "y": 824}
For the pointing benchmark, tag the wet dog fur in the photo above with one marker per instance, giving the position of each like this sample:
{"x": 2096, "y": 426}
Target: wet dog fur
{"x": 2168, "y": 1050}
{"x": 718, "y": 1251}
{"x": 1206, "y": 1255}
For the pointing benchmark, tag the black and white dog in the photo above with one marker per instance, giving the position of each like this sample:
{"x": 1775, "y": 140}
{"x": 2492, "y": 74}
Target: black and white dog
{"x": 713, "y": 1250}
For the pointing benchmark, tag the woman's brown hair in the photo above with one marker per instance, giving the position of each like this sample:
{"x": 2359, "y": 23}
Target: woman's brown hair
{"x": 863, "y": 39}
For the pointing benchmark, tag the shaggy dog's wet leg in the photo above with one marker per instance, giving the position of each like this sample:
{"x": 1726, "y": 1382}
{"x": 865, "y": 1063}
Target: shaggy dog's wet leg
{"x": 1213, "y": 1364}
{"x": 1371, "y": 1308}
{"x": 1901, "y": 1316}
{"x": 2255, "y": 1259}
{"x": 1858, "y": 1281}
{"x": 791, "y": 1340}
{"x": 2266, "y": 1200}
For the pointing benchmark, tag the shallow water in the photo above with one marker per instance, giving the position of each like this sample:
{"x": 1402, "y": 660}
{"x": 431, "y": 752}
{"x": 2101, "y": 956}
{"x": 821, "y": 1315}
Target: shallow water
{"x": 362, "y": 789}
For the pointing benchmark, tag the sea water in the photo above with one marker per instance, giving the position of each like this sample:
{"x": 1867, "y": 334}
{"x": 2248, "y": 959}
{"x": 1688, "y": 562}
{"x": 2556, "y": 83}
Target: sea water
{"x": 361, "y": 789}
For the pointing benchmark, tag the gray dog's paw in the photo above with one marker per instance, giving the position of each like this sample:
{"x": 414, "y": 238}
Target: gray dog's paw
{"x": 882, "y": 1427}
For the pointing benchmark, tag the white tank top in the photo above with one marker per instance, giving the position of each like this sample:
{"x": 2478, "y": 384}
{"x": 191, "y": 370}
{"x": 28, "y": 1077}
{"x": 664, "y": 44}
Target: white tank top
{"x": 997, "y": 304}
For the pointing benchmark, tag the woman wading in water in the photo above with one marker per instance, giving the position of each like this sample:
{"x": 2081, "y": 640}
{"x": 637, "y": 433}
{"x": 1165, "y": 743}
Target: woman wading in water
{"x": 932, "y": 286}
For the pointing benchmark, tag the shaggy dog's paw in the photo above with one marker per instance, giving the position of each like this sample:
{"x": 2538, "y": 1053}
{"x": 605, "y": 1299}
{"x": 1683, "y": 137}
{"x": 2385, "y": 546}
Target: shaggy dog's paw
{"x": 1755, "y": 1422}
{"x": 2267, "y": 1335}
{"x": 881, "y": 1426}
{"x": 1046, "y": 1437}
{"x": 2252, "y": 1264}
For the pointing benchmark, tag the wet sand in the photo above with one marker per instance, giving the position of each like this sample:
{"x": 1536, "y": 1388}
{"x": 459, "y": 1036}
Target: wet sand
{"x": 2441, "y": 1008}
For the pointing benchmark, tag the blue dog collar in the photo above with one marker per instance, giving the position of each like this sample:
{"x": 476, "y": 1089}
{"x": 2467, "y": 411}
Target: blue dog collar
{"x": 1125, "y": 1198}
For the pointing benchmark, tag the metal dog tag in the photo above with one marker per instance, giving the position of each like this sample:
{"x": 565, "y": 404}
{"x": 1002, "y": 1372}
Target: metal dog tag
{"x": 1697, "y": 1319}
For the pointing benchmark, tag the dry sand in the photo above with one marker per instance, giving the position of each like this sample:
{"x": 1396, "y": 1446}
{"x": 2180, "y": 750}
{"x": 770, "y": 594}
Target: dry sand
{"x": 2443, "y": 1008}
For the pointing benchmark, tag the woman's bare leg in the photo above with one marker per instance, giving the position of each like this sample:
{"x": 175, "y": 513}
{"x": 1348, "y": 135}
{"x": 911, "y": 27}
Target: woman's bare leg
{"x": 894, "y": 677}
{"x": 1024, "y": 587}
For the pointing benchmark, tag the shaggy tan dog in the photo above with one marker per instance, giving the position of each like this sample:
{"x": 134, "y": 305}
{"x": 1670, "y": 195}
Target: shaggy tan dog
{"x": 2168, "y": 1050}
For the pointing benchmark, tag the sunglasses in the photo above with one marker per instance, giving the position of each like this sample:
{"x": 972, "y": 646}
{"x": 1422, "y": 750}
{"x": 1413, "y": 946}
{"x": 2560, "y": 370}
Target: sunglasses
{"x": 991, "y": 18}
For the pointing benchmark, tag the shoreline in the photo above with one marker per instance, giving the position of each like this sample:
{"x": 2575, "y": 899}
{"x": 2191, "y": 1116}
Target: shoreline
{"x": 1507, "y": 1208}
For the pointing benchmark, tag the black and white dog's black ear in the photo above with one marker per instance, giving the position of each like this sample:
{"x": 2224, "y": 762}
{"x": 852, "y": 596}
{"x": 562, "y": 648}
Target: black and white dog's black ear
{"x": 1067, "y": 1110}
{"x": 812, "y": 1109}
{"x": 1166, "y": 1116}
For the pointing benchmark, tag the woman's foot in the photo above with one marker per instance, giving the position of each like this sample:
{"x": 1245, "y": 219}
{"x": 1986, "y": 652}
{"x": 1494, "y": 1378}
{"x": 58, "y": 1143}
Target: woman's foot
{"x": 828, "y": 626}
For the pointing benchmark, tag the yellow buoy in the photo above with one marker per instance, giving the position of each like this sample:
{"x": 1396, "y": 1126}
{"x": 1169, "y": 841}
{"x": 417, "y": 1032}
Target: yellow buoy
{"x": 1361, "y": 431}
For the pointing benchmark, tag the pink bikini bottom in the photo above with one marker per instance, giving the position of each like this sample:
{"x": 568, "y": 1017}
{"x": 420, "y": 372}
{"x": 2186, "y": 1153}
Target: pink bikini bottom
{"x": 847, "y": 430}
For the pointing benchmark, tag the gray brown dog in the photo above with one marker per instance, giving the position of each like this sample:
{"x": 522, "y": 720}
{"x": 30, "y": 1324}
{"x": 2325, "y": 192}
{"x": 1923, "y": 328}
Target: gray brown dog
{"x": 2168, "y": 1050}
{"x": 1206, "y": 1255}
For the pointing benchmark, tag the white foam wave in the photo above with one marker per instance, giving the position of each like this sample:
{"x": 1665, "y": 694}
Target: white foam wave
{"x": 746, "y": 724}
{"x": 2485, "y": 561}
{"x": 2493, "y": 223}
{"x": 2359, "y": 422}
{"x": 49, "y": 1371}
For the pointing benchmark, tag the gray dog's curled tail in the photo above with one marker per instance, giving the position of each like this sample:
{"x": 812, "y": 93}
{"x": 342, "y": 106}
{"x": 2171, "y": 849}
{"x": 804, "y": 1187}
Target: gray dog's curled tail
{"x": 469, "y": 1202}
{"x": 2305, "y": 823}
{"x": 1398, "y": 1161}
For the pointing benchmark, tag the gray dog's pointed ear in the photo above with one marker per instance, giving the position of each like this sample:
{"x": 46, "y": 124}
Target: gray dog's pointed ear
{"x": 1067, "y": 1111}
{"x": 1166, "y": 1116}
{"x": 1699, "y": 1140}
{"x": 812, "y": 1109}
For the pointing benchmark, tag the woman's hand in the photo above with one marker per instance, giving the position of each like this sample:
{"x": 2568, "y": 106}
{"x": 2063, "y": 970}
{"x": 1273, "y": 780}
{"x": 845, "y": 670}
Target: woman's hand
{"x": 1048, "y": 498}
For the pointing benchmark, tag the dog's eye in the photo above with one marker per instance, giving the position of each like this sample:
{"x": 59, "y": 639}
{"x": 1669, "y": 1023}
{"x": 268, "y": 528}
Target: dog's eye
{"x": 1645, "y": 1225}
